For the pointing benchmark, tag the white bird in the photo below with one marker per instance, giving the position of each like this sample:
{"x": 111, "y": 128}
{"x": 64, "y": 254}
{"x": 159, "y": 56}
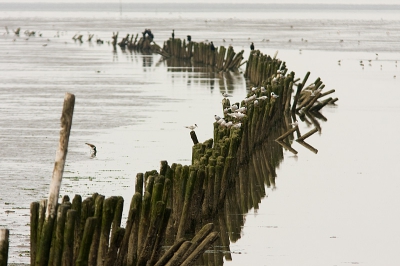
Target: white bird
{"x": 192, "y": 127}
{"x": 237, "y": 115}
{"x": 93, "y": 150}
{"x": 238, "y": 125}
{"x": 217, "y": 117}
{"x": 273, "y": 95}
{"x": 263, "y": 89}
{"x": 249, "y": 99}
{"x": 220, "y": 121}
{"x": 255, "y": 103}
{"x": 226, "y": 110}
{"x": 226, "y": 95}
{"x": 241, "y": 109}
{"x": 234, "y": 107}
{"x": 262, "y": 98}
{"x": 254, "y": 89}
{"x": 228, "y": 124}
{"x": 275, "y": 80}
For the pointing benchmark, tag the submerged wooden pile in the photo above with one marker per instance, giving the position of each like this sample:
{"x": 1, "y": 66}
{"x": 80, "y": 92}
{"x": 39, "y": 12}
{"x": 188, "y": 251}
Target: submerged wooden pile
{"x": 271, "y": 73}
{"x": 130, "y": 41}
{"x": 263, "y": 70}
{"x": 204, "y": 53}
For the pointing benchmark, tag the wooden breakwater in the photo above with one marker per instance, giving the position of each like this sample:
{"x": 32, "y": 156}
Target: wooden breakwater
{"x": 221, "y": 58}
{"x": 89, "y": 232}
{"x": 226, "y": 177}
{"x": 266, "y": 71}
{"x": 144, "y": 43}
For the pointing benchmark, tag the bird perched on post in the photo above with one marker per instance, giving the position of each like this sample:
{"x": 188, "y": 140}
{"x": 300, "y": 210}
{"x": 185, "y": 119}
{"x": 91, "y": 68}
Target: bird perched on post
{"x": 212, "y": 46}
{"x": 93, "y": 150}
{"x": 273, "y": 95}
{"x": 173, "y": 34}
{"x": 252, "y": 46}
{"x": 192, "y": 127}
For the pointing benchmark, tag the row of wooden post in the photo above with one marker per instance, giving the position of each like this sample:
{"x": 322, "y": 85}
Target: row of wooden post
{"x": 221, "y": 58}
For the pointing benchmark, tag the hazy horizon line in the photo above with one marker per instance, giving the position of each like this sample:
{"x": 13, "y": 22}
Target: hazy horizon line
{"x": 182, "y": 7}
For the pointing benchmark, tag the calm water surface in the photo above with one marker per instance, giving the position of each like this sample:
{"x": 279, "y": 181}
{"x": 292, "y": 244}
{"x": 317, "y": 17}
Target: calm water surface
{"x": 337, "y": 207}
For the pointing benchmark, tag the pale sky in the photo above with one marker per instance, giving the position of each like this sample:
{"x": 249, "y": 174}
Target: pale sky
{"x": 354, "y": 2}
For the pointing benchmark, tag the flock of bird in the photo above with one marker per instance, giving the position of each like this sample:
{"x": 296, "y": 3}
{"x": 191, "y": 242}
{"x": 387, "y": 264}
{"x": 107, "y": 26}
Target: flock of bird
{"x": 235, "y": 112}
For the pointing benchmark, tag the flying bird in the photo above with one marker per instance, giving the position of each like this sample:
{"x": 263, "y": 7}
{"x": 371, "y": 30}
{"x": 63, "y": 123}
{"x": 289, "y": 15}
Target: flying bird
{"x": 93, "y": 150}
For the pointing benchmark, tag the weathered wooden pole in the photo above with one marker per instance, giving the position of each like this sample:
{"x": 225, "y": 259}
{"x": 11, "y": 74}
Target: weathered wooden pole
{"x": 68, "y": 246}
{"x": 308, "y": 134}
{"x": 109, "y": 209}
{"x": 175, "y": 260}
{"x": 57, "y": 247}
{"x": 4, "y": 243}
{"x": 201, "y": 248}
{"x": 86, "y": 241}
{"x": 170, "y": 252}
{"x": 133, "y": 235}
{"x": 34, "y": 230}
{"x": 61, "y": 155}
{"x": 186, "y": 204}
{"x": 194, "y": 137}
{"x": 299, "y": 88}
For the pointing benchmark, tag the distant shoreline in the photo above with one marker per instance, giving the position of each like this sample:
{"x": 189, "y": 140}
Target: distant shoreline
{"x": 188, "y": 7}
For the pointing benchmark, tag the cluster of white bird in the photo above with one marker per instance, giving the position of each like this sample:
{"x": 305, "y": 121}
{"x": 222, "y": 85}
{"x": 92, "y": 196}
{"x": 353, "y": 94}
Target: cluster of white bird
{"x": 228, "y": 124}
{"x": 238, "y": 113}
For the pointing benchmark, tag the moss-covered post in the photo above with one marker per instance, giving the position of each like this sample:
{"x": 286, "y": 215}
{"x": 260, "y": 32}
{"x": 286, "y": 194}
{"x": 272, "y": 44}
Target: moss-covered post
{"x": 68, "y": 245}
{"x": 34, "y": 230}
{"x": 4, "y": 243}
{"x": 186, "y": 204}
{"x": 83, "y": 256}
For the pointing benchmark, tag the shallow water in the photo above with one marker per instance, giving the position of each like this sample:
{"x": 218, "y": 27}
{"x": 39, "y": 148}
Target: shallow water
{"x": 338, "y": 207}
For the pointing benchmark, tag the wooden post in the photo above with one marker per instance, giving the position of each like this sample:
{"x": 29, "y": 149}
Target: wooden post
{"x": 303, "y": 137}
{"x": 34, "y": 230}
{"x": 201, "y": 248}
{"x": 156, "y": 219}
{"x": 4, "y": 243}
{"x": 135, "y": 211}
{"x": 170, "y": 252}
{"x": 94, "y": 246}
{"x": 107, "y": 218}
{"x": 68, "y": 246}
{"x": 186, "y": 204}
{"x": 194, "y": 137}
{"x": 299, "y": 88}
{"x": 57, "y": 247}
{"x": 197, "y": 239}
{"x": 86, "y": 241}
{"x": 175, "y": 260}
{"x": 61, "y": 155}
